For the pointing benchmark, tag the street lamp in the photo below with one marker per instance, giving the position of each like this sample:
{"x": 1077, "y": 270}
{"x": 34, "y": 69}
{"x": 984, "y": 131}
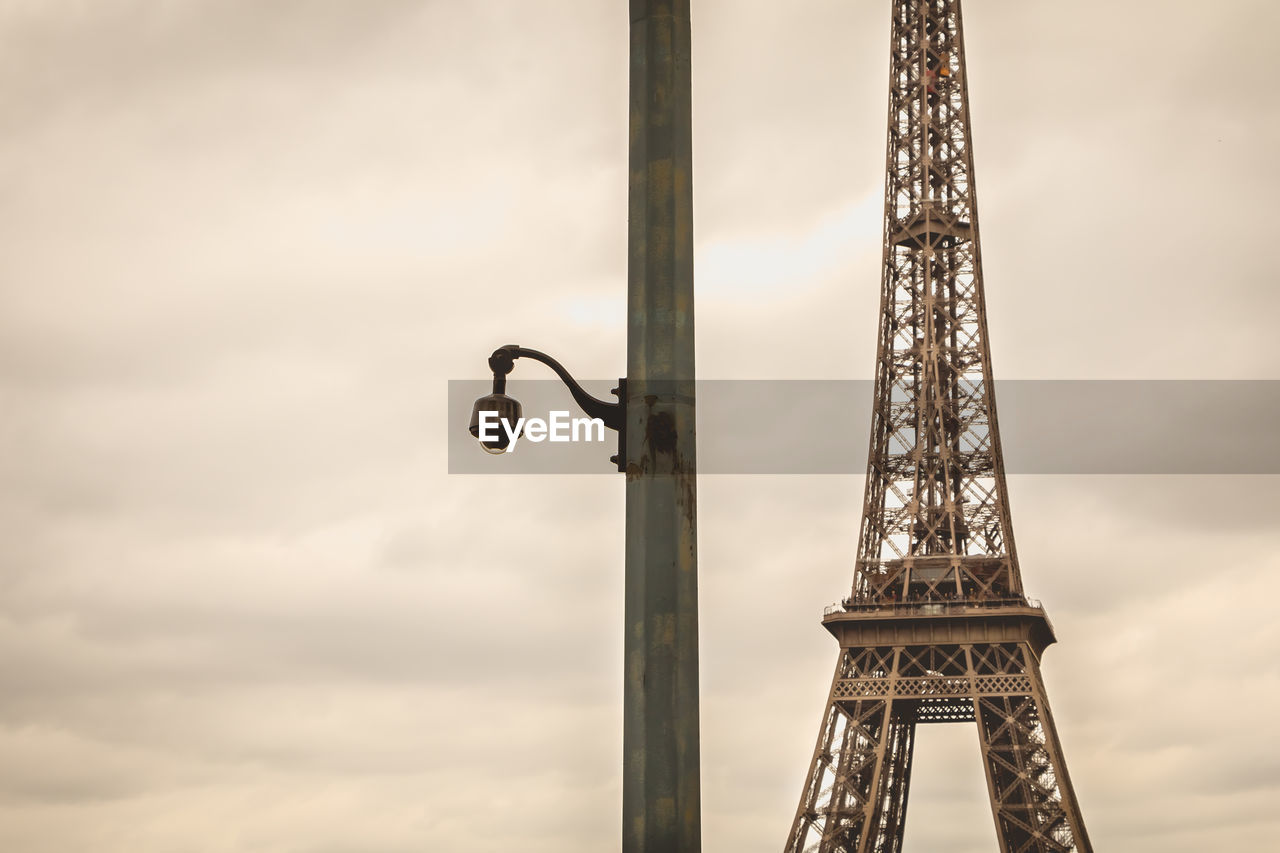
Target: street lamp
{"x": 508, "y": 409}
{"x": 654, "y": 417}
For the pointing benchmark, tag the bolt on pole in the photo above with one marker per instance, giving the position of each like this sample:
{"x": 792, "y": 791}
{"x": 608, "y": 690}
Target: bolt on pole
{"x": 661, "y": 786}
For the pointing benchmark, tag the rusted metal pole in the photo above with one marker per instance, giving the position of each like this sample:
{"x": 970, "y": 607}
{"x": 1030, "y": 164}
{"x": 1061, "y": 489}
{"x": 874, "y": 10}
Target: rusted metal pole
{"x": 660, "y": 790}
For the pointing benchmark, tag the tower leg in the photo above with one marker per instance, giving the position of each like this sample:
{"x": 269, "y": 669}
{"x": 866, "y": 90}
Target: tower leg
{"x": 895, "y": 781}
{"x": 1032, "y": 800}
{"x": 855, "y": 795}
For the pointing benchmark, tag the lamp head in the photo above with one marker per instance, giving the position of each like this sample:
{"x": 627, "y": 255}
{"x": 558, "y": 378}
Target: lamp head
{"x": 489, "y": 413}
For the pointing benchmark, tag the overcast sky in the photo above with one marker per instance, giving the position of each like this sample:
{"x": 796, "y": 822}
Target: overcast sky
{"x": 243, "y": 605}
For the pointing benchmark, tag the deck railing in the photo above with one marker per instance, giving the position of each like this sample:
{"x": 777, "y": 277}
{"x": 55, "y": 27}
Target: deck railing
{"x": 931, "y": 605}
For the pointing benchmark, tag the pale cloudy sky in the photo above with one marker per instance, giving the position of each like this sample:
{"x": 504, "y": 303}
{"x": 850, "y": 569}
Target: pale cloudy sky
{"x": 243, "y": 606}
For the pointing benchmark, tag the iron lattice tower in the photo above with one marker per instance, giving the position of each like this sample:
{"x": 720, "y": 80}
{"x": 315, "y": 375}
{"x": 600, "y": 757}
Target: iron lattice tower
{"x": 937, "y": 628}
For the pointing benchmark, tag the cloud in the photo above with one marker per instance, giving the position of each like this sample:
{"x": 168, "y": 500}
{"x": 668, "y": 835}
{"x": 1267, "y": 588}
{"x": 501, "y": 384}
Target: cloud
{"x": 247, "y": 246}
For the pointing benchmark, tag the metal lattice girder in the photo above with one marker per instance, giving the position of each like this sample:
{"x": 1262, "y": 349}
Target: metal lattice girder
{"x": 937, "y": 628}
{"x": 855, "y": 796}
{"x": 935, "y": 519}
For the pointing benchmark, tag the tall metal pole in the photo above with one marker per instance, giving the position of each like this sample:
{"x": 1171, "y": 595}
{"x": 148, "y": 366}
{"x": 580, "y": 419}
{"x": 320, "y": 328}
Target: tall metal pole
{"x": 660, "y": 790}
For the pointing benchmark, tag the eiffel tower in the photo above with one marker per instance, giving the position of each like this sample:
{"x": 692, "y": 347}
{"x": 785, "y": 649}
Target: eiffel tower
{"x": 937, "y": 628}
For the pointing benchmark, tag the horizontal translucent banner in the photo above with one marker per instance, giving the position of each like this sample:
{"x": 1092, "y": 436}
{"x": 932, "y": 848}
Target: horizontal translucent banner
{"x": 823, "y": 427}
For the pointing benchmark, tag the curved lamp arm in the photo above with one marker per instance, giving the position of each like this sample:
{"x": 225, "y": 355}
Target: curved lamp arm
{"x": 612, "y": 415}
{"x": 503, "y": 361}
